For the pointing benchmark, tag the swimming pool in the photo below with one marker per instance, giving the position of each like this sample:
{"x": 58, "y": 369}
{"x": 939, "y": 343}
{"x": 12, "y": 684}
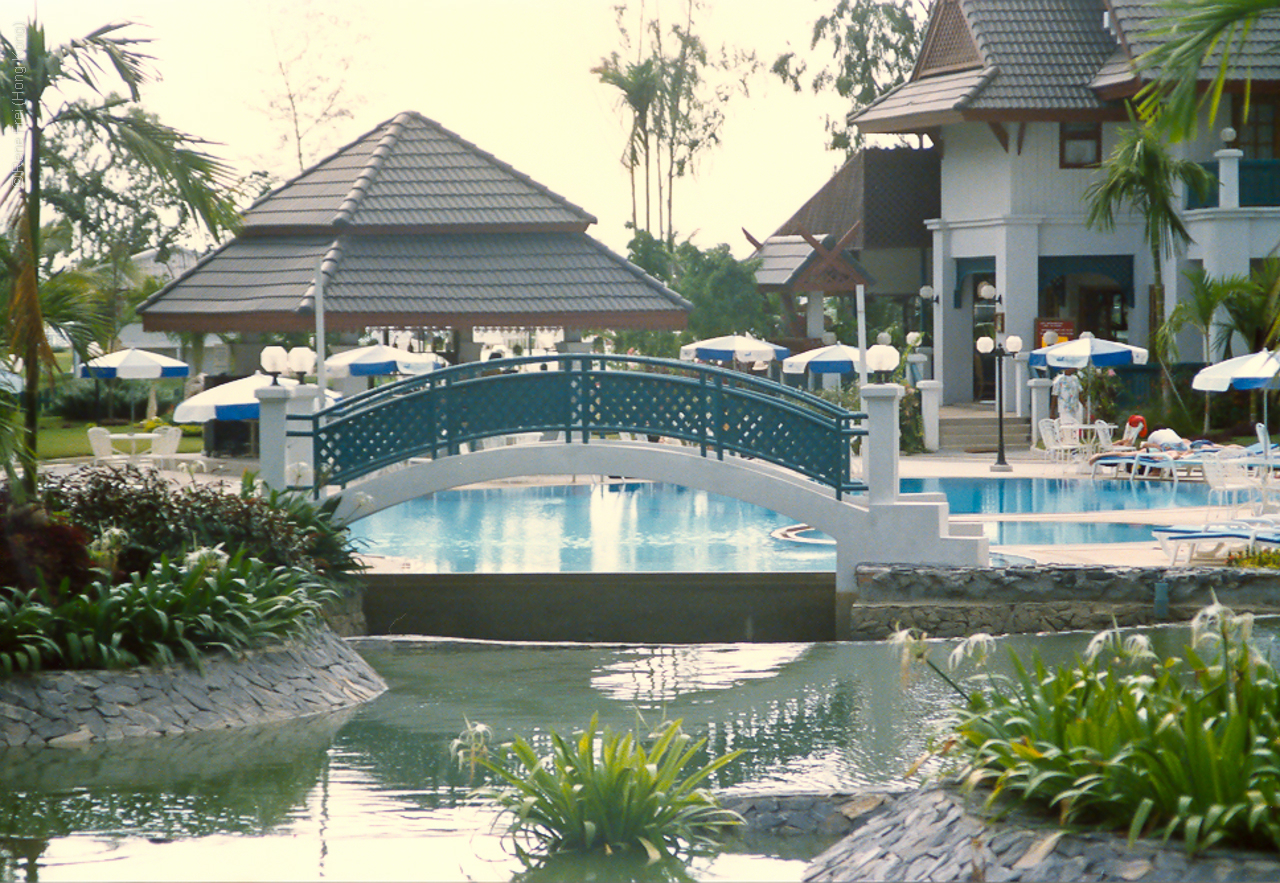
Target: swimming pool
{"x": 643, "y": 527}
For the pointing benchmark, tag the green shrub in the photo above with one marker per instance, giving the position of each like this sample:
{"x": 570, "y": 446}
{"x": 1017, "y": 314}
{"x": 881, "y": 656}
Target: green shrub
{"x": 281, "y": 529}
{"x": 1184, "y": 747}
{"x": 79, "y": 400}
{"x": 177, "y": 611}
{"x": 606, "y": 791}
{"x": 41, "y": 549}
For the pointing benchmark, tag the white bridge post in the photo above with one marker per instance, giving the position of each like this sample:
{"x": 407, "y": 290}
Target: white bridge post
{"x": 881, "y": 460}
{"x": 273, "y": 402}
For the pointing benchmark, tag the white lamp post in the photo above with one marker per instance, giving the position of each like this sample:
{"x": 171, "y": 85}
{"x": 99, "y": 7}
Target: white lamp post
{"x": 881, "y": 359}
{"x": 1011, "y": 347}
{"x": 274, "y": 361}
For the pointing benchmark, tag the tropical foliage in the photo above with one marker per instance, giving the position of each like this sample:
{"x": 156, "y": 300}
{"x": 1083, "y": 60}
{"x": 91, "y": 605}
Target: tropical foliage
{"x": 1194, "y": 35}
{"x": 39, "y": 74}
{"x": 1182, "y": 747}
{"x": 158, "y": 519}
{"x": 174, "y": 612}
{"x": 605, "y": 791}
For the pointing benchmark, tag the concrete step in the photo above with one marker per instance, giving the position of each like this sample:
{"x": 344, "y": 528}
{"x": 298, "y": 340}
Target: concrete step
{"x": 983, "y": 431}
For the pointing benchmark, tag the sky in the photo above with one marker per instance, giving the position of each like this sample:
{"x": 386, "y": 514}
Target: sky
{"x": 511, "y": 76}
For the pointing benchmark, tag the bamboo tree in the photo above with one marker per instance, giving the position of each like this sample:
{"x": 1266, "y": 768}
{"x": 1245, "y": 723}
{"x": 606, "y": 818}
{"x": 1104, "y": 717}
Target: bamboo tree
{"x": 37, "y": 73}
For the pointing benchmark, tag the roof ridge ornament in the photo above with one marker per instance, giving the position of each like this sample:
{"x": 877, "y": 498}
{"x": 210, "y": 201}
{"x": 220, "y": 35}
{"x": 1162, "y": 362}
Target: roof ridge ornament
{"x": 360, "y": 187}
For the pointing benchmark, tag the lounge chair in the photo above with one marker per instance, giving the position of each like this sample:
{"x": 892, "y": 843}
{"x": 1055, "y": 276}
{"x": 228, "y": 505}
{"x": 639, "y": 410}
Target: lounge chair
{"x": 1220, "y": 538}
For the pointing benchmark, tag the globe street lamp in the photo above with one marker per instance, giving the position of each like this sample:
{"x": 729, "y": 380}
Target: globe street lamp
{"x": 882, "y": 359}
{"x": 1011, "y": 347}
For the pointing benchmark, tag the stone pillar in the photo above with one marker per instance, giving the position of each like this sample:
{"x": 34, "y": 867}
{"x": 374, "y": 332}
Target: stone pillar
{"x": 880, "y": 462}
{"x": 1229, "y": 178}
{"x": 272, "y": 456}
{"x": 1039, "y": 387}
{"x": 1021, "y": 377}
{"x": 931, "y": 412}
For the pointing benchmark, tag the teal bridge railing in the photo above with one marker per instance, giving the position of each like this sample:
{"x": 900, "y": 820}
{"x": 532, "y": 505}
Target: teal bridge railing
{"x": 584, "y": 398}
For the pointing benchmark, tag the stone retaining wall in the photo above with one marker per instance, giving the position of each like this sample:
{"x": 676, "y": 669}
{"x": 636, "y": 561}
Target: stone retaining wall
{"x": 938, "y": 834}
{"x": 309, "y": 675}
{"x": 958, "y": 601}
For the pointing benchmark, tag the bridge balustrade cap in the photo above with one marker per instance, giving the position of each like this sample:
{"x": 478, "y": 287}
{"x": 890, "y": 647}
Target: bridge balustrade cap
{"x": 267, "y": 393}
{"x": 881, "y": 390}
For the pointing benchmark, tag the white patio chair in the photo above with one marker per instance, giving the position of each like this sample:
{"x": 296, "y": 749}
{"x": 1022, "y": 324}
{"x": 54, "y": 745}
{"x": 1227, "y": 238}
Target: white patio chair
{"x": 1055, "y": 447}
{"x": 103, "y": 450}
{"x": 164, "y": 448}
{"x": 1230, "y": 484}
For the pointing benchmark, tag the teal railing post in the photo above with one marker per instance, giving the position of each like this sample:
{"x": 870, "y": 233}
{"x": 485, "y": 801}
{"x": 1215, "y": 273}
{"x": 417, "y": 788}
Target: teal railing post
{"x": 716, "y": 418}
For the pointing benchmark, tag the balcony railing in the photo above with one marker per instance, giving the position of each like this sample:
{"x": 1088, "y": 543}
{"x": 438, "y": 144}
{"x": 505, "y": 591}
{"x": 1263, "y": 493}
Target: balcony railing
{"x": 1259, "y": 185}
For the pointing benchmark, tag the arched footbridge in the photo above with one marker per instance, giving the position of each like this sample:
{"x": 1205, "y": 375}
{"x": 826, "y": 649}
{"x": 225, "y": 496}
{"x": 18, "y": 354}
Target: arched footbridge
{"x": 690, "y": 424}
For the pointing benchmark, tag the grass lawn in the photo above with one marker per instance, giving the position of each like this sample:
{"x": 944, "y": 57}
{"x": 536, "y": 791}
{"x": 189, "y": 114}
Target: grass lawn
{"x": 61, "y": 438}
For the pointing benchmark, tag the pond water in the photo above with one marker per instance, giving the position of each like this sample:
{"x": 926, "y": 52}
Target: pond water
{"x": 373, "y": 794}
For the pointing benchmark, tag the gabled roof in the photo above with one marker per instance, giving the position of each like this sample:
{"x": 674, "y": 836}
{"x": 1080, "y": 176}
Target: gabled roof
{"x": 1019, "y": 60}
{"x": 411, "y": 173}
{"x": 887, "y": 193}
{"x": 411, "y": 225}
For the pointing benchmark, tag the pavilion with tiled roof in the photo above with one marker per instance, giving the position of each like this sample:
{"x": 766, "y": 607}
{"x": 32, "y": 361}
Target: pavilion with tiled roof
{"x": 413, "y": 227}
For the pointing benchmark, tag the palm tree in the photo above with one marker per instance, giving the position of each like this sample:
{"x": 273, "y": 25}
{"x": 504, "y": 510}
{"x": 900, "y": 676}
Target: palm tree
{"x": 37, "y": 73}
{"x": 1200, "y": 310}
{"x": 638, "y": 85}
{"x": 1196, "y": 35}
{"x": 1141, "y": 174}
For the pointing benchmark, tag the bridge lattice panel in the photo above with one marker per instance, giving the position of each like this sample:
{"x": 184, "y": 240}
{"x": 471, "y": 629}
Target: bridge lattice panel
{"x": 718, "y": 410}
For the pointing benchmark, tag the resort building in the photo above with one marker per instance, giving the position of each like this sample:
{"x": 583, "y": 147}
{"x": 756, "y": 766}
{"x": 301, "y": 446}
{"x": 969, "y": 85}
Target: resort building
{"x": 1023, "y": 100}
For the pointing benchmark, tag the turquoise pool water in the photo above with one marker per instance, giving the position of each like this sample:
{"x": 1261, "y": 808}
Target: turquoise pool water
{"x": 643, "y": 527}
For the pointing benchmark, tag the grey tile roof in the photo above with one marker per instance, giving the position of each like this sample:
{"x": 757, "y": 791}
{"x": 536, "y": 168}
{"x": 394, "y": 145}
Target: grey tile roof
{"x": 1043, "y": 57}
{"x": 1139, "y": 23}
{"x": 411, "y": 172}
{"x": 416, "y": 227}
{"x": 564, "y": 279}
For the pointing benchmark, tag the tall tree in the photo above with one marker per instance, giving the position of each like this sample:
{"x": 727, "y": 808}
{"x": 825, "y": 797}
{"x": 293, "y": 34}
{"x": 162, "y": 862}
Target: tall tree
{"x": 37, "y": 73}
{"x": 676, "y": 103}
{"x": 873, "y": 45}
{"x": 312, "y": 56}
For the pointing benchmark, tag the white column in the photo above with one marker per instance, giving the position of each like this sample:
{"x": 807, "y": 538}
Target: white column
{"x": 814, "y": 316}
{"x": 1039, "y": 387}
{"x": 1229, "y": 177}
{"x": 1021, "y": 376}
{"x": 272, "y": 402}
{"x": 880, "y": 400}
{"x": 931, "y": 412}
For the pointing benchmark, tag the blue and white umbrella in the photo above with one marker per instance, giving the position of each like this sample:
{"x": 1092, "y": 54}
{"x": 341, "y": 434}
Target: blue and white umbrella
{"x": 1258, "y": 370}
{"x": 1254, "y": 371}
{"x": 134, "y": 364}
{"x": 230, "y": 401}
{"x": 1087, "y": 350}
{"x": 740, "y": 347}
{"x": 369, "y": 361}
{"x": 837, "y": 358}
